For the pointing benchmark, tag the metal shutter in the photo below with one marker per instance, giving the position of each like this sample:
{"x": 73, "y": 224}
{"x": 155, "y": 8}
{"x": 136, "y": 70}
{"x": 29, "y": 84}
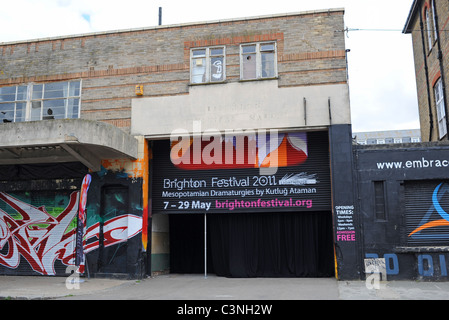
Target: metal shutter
{"x": 424, "y": 225}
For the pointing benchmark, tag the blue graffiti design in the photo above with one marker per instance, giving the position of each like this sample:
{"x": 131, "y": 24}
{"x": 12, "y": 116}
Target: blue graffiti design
{"x": 437, "y": 205}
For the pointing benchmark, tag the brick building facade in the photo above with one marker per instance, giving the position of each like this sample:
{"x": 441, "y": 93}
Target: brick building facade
{"x": 111, "y": 64}
{"x": 427, "y": 23}
{"x": 106, "y": 104}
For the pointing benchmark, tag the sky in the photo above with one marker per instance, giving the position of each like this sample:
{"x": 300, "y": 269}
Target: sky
{"x": 380, "y": 62}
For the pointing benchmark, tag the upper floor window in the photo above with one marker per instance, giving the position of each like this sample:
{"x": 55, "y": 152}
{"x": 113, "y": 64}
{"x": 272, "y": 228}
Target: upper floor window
{"x": 13, "y": 101}
{"x": 56, "y": 100}
{"x": 434, "y": 14}
{"x": 258, "y": 61}
{"x": 207, "y": 65}
{"x": 441, "y": 109}
{"x": 429, "y": 29}
{"x": 430, "y": 16}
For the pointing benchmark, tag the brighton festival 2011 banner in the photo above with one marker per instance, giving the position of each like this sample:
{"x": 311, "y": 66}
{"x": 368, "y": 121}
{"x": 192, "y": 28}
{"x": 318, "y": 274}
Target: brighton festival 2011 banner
{"x": 251, "y": 172}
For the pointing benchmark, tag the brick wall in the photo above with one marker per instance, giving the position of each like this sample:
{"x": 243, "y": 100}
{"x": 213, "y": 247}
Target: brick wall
{"x": 311, "y": 50}
{"x": 431, "y": 55}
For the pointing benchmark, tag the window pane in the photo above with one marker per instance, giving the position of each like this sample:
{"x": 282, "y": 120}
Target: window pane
{"x": 74, "y": 89}
{"x": 249, "y": 66}
{"x": 36, "y": 107}
{"x": 6, "y": 112}
{"x": 267, "y": 47}
{"x": 199, "y": 70}
{"x": 20, "y": 112}
{"x": 217, "y": 73}
{"x": 37, "y": 91}
{"x": 249, "y": 49}
{"x": 439, "y": 100}
{"x": 429, "y": 29}
{"x": 442, "y": 129}
{"x": 268, "y": 65}
{"x": 73, "y": 108}
{"x": 438, "y": 91}
{"x": 434, "y": 14}
{"x": 7, "y": 94}
{"x": 216, "y": 51}
{"x": 54, "y": 109}
{"x": 56, "y": 90}
{"x": 441, "y": 109}
{"x": 22, "y": 93}
{"x": 199, "y": 53}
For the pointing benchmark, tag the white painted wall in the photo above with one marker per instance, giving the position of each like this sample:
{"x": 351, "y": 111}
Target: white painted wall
{"x": 242, "y": 105}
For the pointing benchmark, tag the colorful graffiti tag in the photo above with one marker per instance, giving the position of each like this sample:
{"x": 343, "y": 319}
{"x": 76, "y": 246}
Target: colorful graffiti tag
{"x": 428, "y": 265}
{"x": 42, "y": 238}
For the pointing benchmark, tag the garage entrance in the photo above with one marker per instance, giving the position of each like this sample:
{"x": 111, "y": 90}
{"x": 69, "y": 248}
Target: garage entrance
{"x": 296, "y": 244}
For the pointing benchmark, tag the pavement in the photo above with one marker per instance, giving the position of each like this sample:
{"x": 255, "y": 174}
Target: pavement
{"x": 197, "y": 287}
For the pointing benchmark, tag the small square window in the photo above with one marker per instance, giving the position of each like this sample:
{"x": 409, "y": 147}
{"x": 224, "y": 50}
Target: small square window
{"x": 258, "y": 61}
{"x": 207, "y": 65}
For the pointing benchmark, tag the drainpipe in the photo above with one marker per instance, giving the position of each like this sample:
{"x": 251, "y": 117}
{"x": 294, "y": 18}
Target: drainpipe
{"x": 426, "y": 71}
{"x": 440, "y": 59}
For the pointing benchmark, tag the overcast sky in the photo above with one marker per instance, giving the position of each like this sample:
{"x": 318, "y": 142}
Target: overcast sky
{"x": 381, "y": 68}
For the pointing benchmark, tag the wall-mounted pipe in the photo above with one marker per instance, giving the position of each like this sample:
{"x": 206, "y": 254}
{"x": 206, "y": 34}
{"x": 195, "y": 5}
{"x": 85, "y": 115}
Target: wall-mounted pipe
{"x": 305, "y": 111}
{"x": 440, "y": 59}
{"x": 426, "y": 71}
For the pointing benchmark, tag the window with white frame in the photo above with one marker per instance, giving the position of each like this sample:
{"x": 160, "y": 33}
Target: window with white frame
{"x": 258, "y": 61}
{"x": 429, "y": 29}
{"x": 55, "y": 100}
{"x": 13, "y": 101}
{"x": 441, "y": 109}
{"x": 434, "y": 14}
{"x": 207, "y": 65}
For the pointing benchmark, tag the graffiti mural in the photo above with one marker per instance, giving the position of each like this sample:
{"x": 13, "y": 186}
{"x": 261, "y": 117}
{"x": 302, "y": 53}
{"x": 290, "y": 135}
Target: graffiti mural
{"x": 428, "y": 265}
{"x": 45, "y": 233}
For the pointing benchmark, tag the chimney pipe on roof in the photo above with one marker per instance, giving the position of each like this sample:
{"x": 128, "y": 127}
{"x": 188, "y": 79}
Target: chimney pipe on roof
{"x": 160, "y": 15}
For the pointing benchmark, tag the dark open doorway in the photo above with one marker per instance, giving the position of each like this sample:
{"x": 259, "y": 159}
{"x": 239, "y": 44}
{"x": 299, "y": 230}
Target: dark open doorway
{"x": 254, "y": 245}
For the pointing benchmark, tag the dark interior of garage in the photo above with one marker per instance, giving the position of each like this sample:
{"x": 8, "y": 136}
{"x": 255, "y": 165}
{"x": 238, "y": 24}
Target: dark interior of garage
{"x": 253, "y": 244}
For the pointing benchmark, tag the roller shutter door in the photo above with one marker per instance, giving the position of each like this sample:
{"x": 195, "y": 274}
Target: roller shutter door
{"x": 426, "y": 208}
